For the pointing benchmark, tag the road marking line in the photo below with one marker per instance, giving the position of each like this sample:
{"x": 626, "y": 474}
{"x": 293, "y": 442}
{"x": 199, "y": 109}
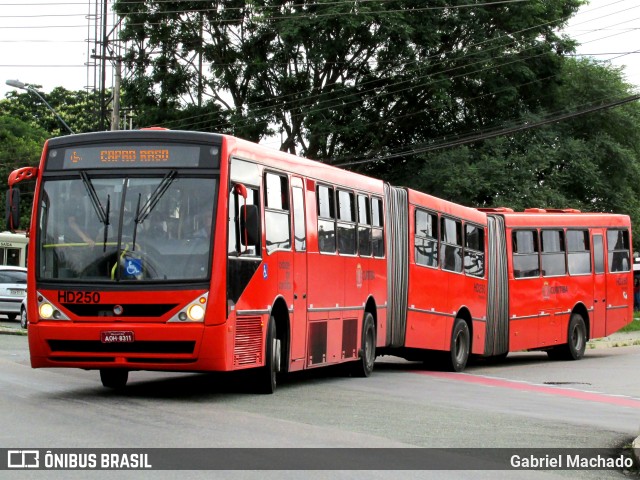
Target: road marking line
{"x": 534, "y": 387}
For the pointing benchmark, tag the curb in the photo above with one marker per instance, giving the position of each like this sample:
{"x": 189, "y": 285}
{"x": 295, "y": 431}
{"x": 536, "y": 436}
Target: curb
{"x": 13, "y": 331}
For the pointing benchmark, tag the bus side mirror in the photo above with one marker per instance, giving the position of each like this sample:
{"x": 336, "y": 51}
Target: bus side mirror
{"x": 250, "y": 225}
{"x": 12, "y": 209}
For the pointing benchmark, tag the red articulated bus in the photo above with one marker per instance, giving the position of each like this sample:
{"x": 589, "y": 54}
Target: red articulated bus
{"x": 188, "y": 251}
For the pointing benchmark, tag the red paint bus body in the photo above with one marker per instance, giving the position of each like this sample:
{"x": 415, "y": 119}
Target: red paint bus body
{"x": 184, "y": 251}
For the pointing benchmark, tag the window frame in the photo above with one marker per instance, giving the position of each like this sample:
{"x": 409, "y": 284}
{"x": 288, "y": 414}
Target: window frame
{"x": 283, "y": 209}
{"x": 425, "y": 237}
{"x": 515, "y": 255}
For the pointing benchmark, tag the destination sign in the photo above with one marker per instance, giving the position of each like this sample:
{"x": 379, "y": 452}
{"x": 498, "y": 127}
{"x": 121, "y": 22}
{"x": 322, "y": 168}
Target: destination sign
{"x": 134, "y": 155}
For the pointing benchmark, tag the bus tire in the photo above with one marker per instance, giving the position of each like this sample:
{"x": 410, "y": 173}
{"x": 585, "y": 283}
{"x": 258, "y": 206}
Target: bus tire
{"x": 576, "y": 341}
{"x": 460, "y": 347}
{"x": 115, "y": 378}
{"x": 364, "y": 366}
{"x": 23, "y": 317}
{"x": 266, "y": 377}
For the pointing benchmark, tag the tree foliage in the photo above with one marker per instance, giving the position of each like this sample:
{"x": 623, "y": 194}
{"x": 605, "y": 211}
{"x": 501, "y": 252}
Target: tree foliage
{"x": 589, "y": 162}
{"x": 79, "y": 109}
{"x": 338, "y": 79}
{"x": 20, "y": 146}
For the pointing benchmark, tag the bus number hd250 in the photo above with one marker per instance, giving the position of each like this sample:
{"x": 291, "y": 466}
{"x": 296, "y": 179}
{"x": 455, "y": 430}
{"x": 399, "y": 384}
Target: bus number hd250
{"x": 67, "y": 296}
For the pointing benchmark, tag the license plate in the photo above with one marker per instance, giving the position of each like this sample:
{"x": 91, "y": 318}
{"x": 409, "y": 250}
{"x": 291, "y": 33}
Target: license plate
{"x": 16, "y": 292}
{"x": 116, "y": 337}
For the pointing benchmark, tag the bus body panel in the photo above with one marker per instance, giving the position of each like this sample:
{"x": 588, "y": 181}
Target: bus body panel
{"x": 541, "y": 306}
{"x": 438, "y": 296}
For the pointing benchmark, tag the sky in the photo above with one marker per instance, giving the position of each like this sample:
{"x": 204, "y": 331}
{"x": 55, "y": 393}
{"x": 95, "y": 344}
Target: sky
{"x": 43, "y": 42}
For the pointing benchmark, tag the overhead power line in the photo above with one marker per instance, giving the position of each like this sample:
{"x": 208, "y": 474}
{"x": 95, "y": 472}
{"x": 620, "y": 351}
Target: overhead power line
{"x": 497, "y": 133}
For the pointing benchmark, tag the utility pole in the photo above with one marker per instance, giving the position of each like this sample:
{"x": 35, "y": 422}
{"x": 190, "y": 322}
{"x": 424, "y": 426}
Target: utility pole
{"x": 103, "y": 58}
{"x": 115, "y": 113}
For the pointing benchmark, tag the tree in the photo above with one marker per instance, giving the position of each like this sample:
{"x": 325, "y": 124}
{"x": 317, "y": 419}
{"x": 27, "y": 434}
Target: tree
{"x": 79, "y": 109}
{"x": 20, "y": 146}
{"x": 341, "y": 79}
{"x": 590, "y": 162}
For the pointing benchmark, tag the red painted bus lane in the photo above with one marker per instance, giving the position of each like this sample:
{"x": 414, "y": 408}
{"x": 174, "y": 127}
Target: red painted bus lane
{"x": 532, "y": 387}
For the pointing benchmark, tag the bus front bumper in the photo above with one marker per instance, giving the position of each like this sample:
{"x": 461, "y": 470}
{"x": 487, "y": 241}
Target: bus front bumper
{"x": 170, "y": 347}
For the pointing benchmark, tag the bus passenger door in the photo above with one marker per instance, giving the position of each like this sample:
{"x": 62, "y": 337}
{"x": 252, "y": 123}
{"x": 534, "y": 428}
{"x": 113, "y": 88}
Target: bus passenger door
{"x": 598, "y": 321}
{"x": 299, "y": 317}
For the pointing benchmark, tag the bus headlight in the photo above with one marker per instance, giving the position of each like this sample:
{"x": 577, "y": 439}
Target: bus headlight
{"x": 46, "y": 310}
{"x": 195, "y": 313}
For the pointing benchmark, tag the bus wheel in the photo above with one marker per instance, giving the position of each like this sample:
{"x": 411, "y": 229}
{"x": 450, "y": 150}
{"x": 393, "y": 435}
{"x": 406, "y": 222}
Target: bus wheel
{"x": 266, "y": 377}
{"x": 576, "y": 341}
{"x": 458, "y": 355}
{"x": 114, "y": 377}
{"x": 23, "y": 317}
{"x": 364, "y": 366}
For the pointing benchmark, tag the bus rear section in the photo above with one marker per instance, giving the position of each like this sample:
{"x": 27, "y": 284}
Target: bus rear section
{"x": 570, "y": 279}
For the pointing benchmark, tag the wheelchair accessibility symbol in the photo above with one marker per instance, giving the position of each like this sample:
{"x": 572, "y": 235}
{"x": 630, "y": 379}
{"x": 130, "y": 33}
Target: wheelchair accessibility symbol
{"x": 133, "y": 266}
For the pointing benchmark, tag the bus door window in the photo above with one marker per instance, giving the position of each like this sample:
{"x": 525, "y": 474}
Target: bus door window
{"x": 299, "y": 228}
{"x": 618, "y": 249}
{"x": 364, "y": 226}
{"x": 377, "y": 232}
{"x": 598, "y": 254}
{"x": 474, "y": 250}
{"x": 552, "y": 255}
{"x": 278, "y": 229}
{"x": 426, "y": 239}
{"x": 578, "y": 252}
{"x": 346, "y": 223}
{"x": 451, "y": 244}
{"x": 238, "y": 245}
{"x": 525, "y": 254}
{"x": 2, "y": 256}
{"x": 326, "y": 219}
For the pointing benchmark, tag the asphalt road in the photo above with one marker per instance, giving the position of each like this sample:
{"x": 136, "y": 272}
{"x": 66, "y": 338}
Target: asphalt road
{"x": 525, "y": 402}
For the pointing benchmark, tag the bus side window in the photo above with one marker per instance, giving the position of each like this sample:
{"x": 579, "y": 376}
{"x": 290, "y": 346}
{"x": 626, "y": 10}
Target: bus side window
{"x": 326, "y": 219}
{"x": 474, "y": 250}
{"x": 552, "y": 255}
{"x": 364, "y": 226}
{"x": 276, "y": 212}
{"x": 426, "y": 238}
{"x": 377, "y": 232}
{"x": 451, "y": 244}
{"x": 236, "y": 243}
{"x": 525, "y": 254}
{"x": 578, "y": 252}
{"x": 618, "y": 249}
{"x": 346, "y": 223}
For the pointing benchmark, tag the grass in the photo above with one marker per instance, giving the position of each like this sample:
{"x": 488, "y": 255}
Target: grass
{"x": 633, "y": 326}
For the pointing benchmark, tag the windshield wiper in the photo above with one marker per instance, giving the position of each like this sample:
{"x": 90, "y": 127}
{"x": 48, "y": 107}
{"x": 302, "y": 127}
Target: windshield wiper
{"x": 103, "y": 215}
{"x": 93, "y": 196}
{"x": 149, "y": 205}
{"x": 106, "y": 223}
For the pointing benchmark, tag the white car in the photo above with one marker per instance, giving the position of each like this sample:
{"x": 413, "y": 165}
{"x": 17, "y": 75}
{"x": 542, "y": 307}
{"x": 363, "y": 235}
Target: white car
{"x": 23, "y": 313}
{"x": 13, "y": 289}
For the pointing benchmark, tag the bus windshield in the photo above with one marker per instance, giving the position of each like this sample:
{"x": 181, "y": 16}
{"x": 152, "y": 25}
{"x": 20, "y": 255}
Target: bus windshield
{"x": 151, "y": 228}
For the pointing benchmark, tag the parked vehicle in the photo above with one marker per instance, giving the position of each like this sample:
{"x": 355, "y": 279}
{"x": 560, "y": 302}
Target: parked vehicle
{"x": 23, "y": 313}
{"x": 13, "y": 289}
